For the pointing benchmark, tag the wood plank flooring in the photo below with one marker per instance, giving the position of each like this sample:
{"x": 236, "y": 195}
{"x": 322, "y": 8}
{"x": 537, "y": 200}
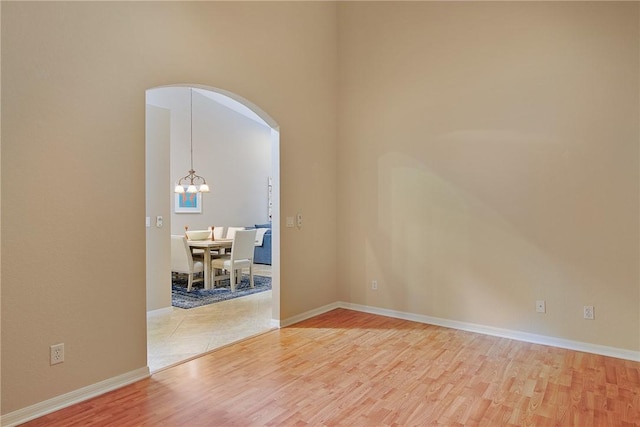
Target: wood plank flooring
{"x": 355, "y": 369}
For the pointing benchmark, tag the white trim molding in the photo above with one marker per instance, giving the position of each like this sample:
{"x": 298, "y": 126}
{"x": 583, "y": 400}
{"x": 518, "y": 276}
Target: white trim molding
{"x": 274, "y": 323}
{"x": 309, "y": 314}
{"x": 619, "y": 353}
{"x": 159, "y": 312}
{"x": 43, "y": 408}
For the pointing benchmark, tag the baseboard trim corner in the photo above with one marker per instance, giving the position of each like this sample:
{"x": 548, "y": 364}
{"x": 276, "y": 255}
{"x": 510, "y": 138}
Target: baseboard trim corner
{"x": 602, "y": 350}
{"x": 51, "y": 405}
{"x": 159, "y": 312}
{"x": 309, "y": 314}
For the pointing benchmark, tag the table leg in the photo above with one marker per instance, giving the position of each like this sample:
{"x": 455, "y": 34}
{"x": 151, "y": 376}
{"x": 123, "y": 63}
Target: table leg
{"x": 207, "y": 268}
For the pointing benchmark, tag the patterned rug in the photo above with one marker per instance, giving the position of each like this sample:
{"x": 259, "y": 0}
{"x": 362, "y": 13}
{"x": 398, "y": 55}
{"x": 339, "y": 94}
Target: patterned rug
{"x": 198, "y": 296}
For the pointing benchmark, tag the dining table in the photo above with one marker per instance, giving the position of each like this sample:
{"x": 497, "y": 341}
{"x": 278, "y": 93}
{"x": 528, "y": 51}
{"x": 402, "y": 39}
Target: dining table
{"x": 207, "y": 245}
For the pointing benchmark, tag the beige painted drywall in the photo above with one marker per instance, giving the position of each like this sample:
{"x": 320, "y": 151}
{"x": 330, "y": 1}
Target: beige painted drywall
{"x": 488, "y": 158}
{"x": 158, "y": 203}
{"x": 73, "y": 104}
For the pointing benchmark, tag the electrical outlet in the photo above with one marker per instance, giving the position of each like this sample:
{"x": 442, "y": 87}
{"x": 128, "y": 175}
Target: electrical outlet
{"x": 57, "y": 353}
{"x": 541, "y": 307}
{"x": 589, "y": 312}
{"x": 374, "y": 285}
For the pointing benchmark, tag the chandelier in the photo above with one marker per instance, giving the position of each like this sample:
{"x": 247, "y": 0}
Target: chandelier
{"x": 191, "y": 183}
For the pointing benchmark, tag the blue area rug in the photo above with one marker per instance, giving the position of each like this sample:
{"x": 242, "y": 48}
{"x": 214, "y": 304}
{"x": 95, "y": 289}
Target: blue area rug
{"x": 198, "y": 297}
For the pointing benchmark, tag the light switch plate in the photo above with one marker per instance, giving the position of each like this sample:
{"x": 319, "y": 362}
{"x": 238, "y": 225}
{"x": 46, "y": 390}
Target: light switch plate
{"x": 289, "y": 222}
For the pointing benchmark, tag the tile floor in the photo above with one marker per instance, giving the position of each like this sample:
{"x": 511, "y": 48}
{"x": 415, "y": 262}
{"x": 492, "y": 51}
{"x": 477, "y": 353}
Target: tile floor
{"x": 175, "y": 335}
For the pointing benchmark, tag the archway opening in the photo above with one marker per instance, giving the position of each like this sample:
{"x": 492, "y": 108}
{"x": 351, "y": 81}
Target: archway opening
{"x": 228, "y": 135}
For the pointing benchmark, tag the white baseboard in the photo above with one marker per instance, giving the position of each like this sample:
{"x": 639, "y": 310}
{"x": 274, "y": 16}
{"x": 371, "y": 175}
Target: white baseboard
{"x": 159, "y": 311}
{"x": 39, "y": 409}
{"x": 309, "y": 314}
{"x": 619, "y": 353}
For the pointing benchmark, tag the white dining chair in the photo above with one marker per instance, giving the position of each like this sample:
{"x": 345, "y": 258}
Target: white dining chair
{"x": 231, "y": 231}
{"x": 218, "y": 232}
{"x": 241, "y": 257}
{"x": 182, "y": 261}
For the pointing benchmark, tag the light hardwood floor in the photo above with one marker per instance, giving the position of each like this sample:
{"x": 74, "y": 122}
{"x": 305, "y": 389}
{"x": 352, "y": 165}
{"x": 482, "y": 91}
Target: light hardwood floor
{"x": 175, "y": 334}
{"x": 356, "y": 369}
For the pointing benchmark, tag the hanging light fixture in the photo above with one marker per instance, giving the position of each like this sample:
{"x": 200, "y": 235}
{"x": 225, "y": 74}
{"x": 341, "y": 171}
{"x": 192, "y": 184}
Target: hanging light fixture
{"x": 191, "y": 183}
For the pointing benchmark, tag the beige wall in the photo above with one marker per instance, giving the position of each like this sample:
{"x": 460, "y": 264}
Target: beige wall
{"x": 489, "y": 158}
{"x": 157, "y": 203}
{"x": 73, "y": 107}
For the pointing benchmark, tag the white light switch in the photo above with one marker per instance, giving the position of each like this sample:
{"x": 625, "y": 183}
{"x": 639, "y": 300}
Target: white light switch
{"x": 148, "y": 221}
{"x": 159, "y": 221}
{"x": 289, "y": 221}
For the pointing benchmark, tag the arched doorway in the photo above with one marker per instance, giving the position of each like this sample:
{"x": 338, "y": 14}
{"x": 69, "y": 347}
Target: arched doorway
{"x": 163, "y": 127}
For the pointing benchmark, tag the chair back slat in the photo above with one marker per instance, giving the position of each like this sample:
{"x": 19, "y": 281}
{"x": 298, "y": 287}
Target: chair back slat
{"x": 243, "y": 245}
{"x": 181, "y": 259}
{"x": 231, "y": 231}
{"x": 218, "y": 232}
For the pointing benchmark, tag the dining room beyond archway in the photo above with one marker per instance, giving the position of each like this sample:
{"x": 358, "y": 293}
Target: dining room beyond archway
{"x": 235, "y": 146}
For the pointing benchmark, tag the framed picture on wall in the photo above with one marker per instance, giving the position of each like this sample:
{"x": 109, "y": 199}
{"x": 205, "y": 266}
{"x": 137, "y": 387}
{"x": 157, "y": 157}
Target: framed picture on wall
{"x": 188, "y": 203}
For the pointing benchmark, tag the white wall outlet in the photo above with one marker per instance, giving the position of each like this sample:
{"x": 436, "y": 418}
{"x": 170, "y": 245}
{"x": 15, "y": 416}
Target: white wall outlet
{"x": 57, "y": 353}
{"x": 299, "y": 219}
{"x": 541, "y": 306}
{"x": 159, "y": 221}
{"x": 374, "y": 285}
{"x": 589, "y": 312}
